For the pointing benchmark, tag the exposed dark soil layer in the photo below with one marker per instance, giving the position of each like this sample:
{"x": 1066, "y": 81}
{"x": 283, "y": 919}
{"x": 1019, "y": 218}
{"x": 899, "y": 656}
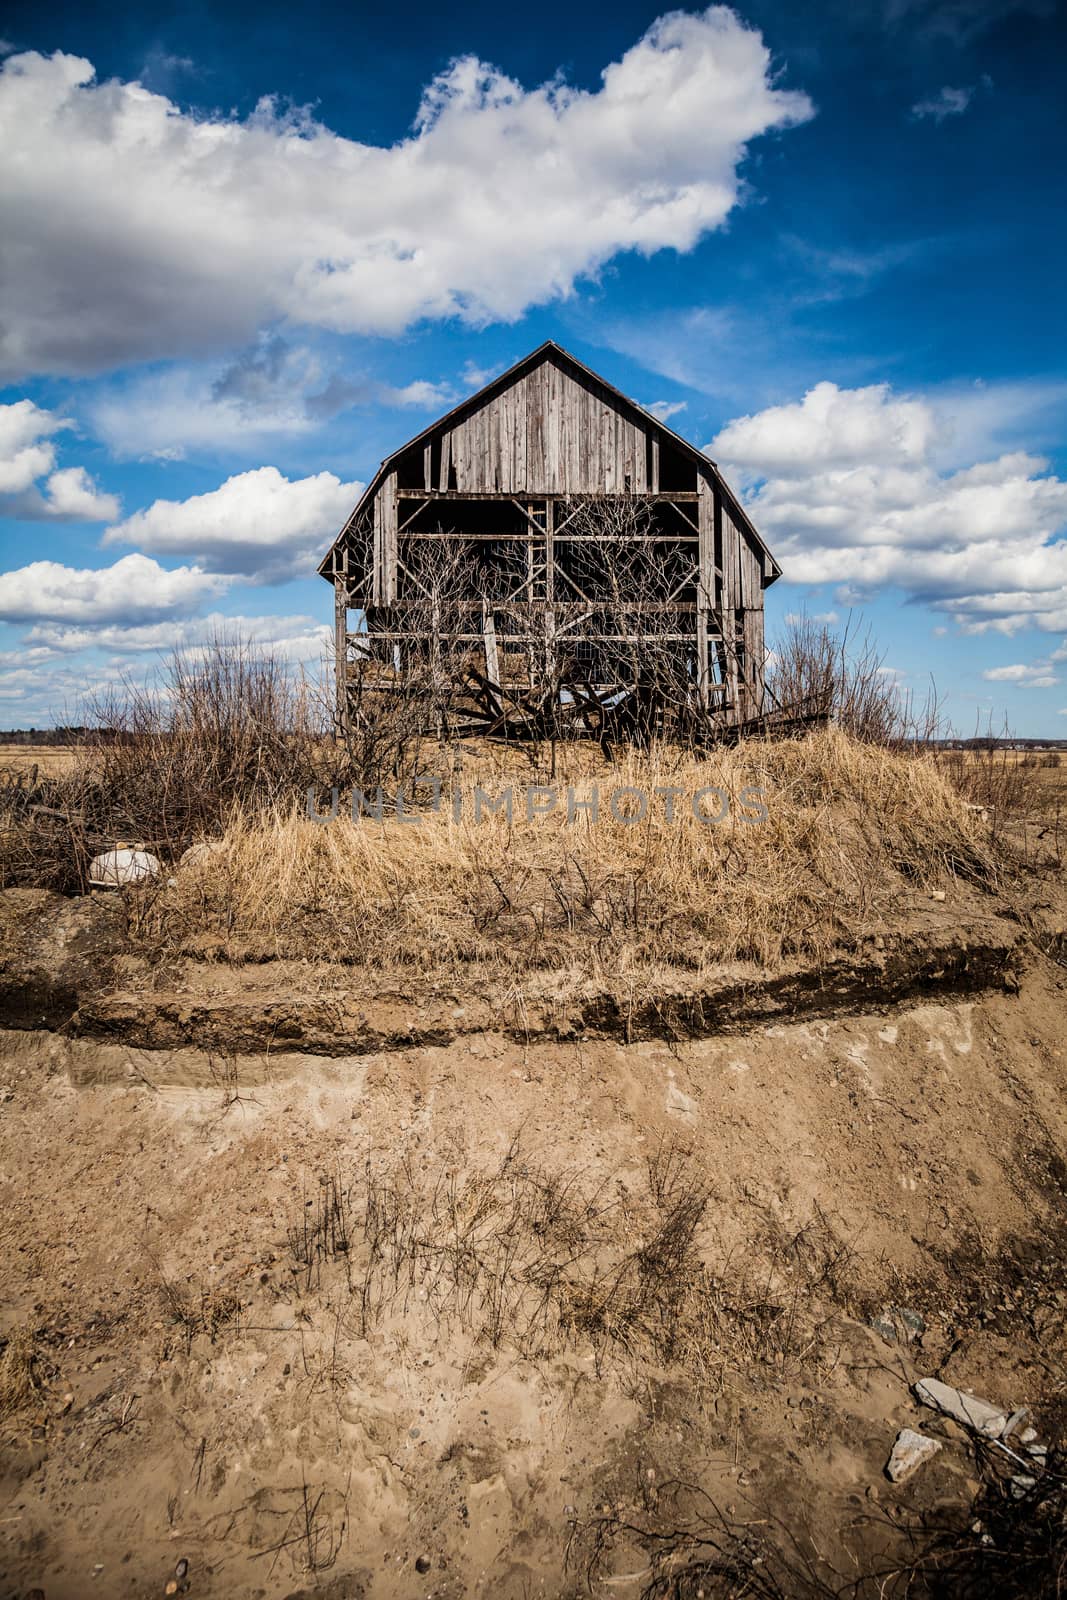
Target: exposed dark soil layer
{"x": 75, "y": 966}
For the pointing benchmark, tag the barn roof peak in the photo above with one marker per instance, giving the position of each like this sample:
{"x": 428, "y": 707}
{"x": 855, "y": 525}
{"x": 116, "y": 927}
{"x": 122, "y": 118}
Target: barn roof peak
{"x": 566, "y": 358}
{"x": 549, "y": 349}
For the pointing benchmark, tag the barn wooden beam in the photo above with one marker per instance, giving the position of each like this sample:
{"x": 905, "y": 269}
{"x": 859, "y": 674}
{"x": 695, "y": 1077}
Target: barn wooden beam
{"x": 460, "y": 537}
{"x": 411, "y": 518}
{"x": 694, "y": 525}
{"x": 505, "y": 641}
{"x": 681, "y": 496}
{"x": 621, "y": 608}
{"x": 492, "y": 658}
{"x": 340, "y": 645}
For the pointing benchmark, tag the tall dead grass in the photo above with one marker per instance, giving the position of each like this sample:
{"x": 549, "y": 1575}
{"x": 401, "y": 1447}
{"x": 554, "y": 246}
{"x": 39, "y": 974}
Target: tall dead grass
{"x": 822, "y": 837}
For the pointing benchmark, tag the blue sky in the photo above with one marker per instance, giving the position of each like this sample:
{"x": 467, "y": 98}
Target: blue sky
{"x": 246, "y": 252}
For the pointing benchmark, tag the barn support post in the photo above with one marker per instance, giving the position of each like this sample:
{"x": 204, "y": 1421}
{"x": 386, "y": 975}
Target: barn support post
{"x": 340, "y": 650}
{"x": 492, "y": 655}
{"x": 705, "y": 588}
{"x": 551, "y": 661}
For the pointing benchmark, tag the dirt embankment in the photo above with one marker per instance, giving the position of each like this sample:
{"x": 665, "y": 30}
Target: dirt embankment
{"x": 78, "y": 966}
{"x": 507, "y": 1314}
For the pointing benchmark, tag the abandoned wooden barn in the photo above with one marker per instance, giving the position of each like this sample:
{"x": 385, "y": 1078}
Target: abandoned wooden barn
{"x": 549, "y": 553}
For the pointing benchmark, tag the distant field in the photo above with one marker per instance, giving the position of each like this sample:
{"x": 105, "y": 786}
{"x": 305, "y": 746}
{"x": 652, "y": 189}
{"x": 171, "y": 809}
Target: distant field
{"x": 50, "y": 759}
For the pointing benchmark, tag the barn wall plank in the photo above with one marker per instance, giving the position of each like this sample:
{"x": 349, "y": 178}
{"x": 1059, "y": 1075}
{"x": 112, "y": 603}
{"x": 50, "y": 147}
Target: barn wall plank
{"x": 387, "y": 498}
{"x": 536, "y": 461}
{"x": 378, "y": 583}
{"x": 518, "y": 476}
{"x": 609, "y": 476}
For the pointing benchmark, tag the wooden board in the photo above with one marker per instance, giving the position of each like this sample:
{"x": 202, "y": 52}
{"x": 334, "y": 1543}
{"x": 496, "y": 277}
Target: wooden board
{"x": 547, "y": 433}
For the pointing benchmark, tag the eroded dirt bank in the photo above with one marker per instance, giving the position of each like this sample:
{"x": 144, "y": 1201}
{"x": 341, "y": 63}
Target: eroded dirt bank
{"x": 450, "y": 1319}
{"x": 76, "y": 966}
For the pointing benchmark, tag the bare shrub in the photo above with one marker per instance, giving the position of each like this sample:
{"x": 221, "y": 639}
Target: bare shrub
{"x": 403, "y": 687}
{"x": 690, "y": 1548}
{"x": 226, "y": 729}
{"x": 522, "y": 1256}
{"x": 989, "y": 774}
{"x": 43, "y": 838}
{"x": 600, "y": 640}
{"x": 1009, "y": 1543}
{"x": 817, "y": 673}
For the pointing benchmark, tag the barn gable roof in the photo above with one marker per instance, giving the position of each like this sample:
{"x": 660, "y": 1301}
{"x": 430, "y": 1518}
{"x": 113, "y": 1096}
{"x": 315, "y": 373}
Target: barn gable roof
{"x": 590, "y": 379}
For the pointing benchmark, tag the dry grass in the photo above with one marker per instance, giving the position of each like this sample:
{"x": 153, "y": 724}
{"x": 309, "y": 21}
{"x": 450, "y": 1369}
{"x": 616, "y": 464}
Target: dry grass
{"x": 1009, "y": 1546}
{"x": 536, "y": 1259}
{"x": 847, "y": 826}
{"x": 38, "y": 760}
{"x": 19, "y": 1384}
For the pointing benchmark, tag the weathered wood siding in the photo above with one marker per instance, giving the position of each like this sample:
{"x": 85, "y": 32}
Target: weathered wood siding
{"x": 546, "y": 434}
{"x": 385, "y": 541}
{"x": 545, "y": 431}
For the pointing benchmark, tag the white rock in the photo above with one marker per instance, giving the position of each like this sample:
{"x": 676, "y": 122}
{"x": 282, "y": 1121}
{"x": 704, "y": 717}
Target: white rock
{"x": 910, "y": 1450}
{"x": 116, "y": 867}
{"x": 966, "y": 1408}
{"x": 1028, "y": 1435}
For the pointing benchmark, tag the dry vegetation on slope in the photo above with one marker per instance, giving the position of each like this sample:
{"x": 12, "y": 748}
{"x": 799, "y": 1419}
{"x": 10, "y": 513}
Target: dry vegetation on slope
{"x": 839, "y": 833}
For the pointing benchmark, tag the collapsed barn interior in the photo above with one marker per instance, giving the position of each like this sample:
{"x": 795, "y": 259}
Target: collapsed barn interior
{"x": 548, "y": 556}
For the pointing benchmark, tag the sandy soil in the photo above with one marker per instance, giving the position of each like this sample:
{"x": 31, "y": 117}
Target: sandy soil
{"x": 288, "y": 1328}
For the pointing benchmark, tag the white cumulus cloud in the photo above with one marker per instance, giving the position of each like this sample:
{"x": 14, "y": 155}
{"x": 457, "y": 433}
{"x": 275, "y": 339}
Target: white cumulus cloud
{"x": 26, "y": 450}
{"x": 135, "y": 589}
{"x": 293, "y": 637}
{"x": 1037, "y": 675}
{"x": 30, "y": 485}
{"x": 257, "y": 523}
{"x": 830, "y": 427}
{"x": 135, "y": 230}
{"x": 844, "y": 485}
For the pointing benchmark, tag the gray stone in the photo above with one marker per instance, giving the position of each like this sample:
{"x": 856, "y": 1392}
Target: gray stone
{"x": 978, "y": 1415}
{"x": 910, "y": 1450}
{"x": 897, "y": 1322}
